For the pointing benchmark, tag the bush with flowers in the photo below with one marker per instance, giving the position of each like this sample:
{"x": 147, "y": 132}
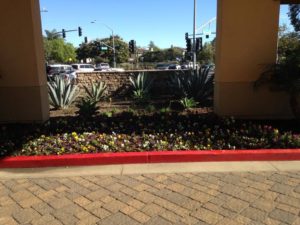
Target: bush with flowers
{"x": 127, "y": 132}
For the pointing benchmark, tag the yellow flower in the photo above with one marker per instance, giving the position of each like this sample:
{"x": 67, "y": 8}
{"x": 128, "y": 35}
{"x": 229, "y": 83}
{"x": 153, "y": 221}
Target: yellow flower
{"x": 85, "y": 149}
{"x": 74, "y": 134}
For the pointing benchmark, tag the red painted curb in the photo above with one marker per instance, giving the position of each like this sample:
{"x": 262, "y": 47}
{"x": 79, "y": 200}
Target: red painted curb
{"x": 149, "y": 157}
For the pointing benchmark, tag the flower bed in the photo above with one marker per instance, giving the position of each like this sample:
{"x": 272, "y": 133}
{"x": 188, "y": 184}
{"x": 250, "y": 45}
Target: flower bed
{"x": 136, "y": 133}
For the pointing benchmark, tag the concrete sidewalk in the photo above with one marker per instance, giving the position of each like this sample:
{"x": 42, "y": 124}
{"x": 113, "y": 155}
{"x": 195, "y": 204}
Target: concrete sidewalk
{"x": 231, "y": 193}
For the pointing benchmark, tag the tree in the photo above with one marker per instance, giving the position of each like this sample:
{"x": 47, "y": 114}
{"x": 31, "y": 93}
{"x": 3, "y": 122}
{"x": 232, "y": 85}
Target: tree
{"x": 207, "y": 55}
{"x": 169, "y": 54}
{"x": 153, "y": 47}
{"x": 94, "y": 50}
{"x": 294, "y": 14}
{"x": 122, "y": 50}
{"x": 57, "y": 50}
{"x": 288, "y": 45}
{"x": 53, "y": 34}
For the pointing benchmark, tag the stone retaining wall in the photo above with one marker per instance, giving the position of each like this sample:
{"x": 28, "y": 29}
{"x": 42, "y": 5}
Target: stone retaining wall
{"x": 118, "y": 83}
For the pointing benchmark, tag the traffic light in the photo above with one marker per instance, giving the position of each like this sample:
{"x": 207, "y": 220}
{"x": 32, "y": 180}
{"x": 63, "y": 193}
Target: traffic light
{"x": 207, "y": 36}
{"x": 63, "y": 33}
{"x": 85, "y": 40}
{"x": 186, "y": 36}
{"x": 198, "y": 44}
{"x": 188, "y": 45}
{"x": 131, "y": 46}
{"x": 79, "y": 31}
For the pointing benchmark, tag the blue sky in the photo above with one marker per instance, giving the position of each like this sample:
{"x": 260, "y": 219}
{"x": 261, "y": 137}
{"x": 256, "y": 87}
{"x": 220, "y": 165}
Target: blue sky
{"x": 162, "y": 21}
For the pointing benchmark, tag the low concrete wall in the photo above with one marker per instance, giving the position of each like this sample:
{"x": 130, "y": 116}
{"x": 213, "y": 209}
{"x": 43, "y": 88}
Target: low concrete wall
{"x": 118, "y": 83}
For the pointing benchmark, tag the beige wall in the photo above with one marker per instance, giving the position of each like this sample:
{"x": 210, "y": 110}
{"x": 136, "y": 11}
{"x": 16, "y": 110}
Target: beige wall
{"x": 247, "y": 33}
{"x": 23, "y": 90}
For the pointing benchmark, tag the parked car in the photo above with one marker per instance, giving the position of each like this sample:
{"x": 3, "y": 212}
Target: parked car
{"x": 117, "y": 69}
{"x": 162, "y": 66}
{"x": 69, "y": 73}
{"x": 57, "y": 69}
{"x": 83, "y": 67}
{"x": 188, "y": 65}
{"x": 102, "y": 67}
{"x": 174, "y": 67}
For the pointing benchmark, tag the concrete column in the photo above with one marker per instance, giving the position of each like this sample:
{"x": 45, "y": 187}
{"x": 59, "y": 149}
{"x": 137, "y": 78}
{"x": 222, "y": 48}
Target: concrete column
{"x": 247, "y": 33}
{"x": 23, "y": 90}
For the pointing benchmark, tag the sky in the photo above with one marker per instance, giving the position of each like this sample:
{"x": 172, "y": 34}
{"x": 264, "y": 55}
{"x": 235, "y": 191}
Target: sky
{"x": 164, "y": 22}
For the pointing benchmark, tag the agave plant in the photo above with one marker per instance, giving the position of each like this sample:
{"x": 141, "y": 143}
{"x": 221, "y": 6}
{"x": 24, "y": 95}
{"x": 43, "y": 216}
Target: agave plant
{"x": 188, "y": 103}
{"x": 87, "y": 107}
{"x": 62, "y": 92}
{"x": 97, "y": 91}
{"x": 141, "y": 86}
{"x": 197, "y": 85}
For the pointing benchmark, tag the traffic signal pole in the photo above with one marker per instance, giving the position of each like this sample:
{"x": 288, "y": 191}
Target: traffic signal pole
{"x": 194, "y": 38}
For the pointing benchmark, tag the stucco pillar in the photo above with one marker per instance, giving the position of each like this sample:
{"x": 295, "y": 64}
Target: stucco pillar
{"x": 23, "y": 90}
{"x": 247, "y": 33}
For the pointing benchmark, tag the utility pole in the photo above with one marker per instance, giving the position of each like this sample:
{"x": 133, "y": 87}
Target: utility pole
{"x": 113, "y": 39}
{"x": 194, "y": 38}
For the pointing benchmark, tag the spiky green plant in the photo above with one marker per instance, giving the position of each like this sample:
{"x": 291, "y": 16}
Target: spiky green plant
{"x": 197, "y": 84}
{"x": 141, "y": 86}
{"x": 62, "y": 92}
{"x": 188, "y": 103}
{"x": 97, "y": 91}
{"x": 87, "y": 108}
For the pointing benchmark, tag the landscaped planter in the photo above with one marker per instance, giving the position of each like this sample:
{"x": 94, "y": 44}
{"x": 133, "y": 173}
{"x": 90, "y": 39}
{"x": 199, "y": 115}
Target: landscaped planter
{"x": 149, "y": 157}
{"x": 161, "y": 137}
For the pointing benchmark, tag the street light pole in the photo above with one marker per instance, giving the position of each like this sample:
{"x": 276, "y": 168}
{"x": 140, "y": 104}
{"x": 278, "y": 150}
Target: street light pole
{"x": 194, "y": 37}
{"x": 114, "y": 49}
{"x": 113, "y": 39}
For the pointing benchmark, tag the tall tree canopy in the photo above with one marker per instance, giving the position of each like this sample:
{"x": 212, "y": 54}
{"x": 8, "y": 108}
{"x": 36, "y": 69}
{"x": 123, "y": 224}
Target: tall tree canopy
{"x": 153, "y": 47}
{"x": 169, "y": 54}
{"x": 288, "y": 46}
{"x": 58, "y": 51}
{"x": 294, "y": 14}
{"x": 207, "y": 55}
{"x": 95, "y": 50}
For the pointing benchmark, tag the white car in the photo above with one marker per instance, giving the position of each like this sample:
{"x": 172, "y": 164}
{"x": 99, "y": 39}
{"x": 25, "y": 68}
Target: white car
{"x": 68, "y": 74}
{"x": 102, "y": 67}
{"x": 83, "y": 67}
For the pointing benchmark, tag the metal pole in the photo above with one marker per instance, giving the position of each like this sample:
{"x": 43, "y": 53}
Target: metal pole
{"x": 113, "y": 37}
{"x": 194, "y": 37}
{"x": 114, "y": 49}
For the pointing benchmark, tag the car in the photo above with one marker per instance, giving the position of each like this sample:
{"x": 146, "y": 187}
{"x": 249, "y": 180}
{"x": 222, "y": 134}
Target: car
{"x": 189, "y": 65}
{"x": 69, "y": 73}
{"x": 83, "y": 67}
{"x": 174, "y": 67}
{"x": 56, "y": 69}
{"x": 162, "y": 66}
{"x": 117, "y": 69}
{"x": 102, "y": 67}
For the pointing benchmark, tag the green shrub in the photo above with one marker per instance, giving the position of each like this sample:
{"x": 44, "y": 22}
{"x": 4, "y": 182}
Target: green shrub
{"x": 97, "y": 91}
{"x": 188, "y": 103}
{"x": 197, "y": 84}
{"x": 62, "y": 92}
{"x": 150, "y": 108}
{"x": 141, "y": 86}
{"x": 87, "y": 107}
